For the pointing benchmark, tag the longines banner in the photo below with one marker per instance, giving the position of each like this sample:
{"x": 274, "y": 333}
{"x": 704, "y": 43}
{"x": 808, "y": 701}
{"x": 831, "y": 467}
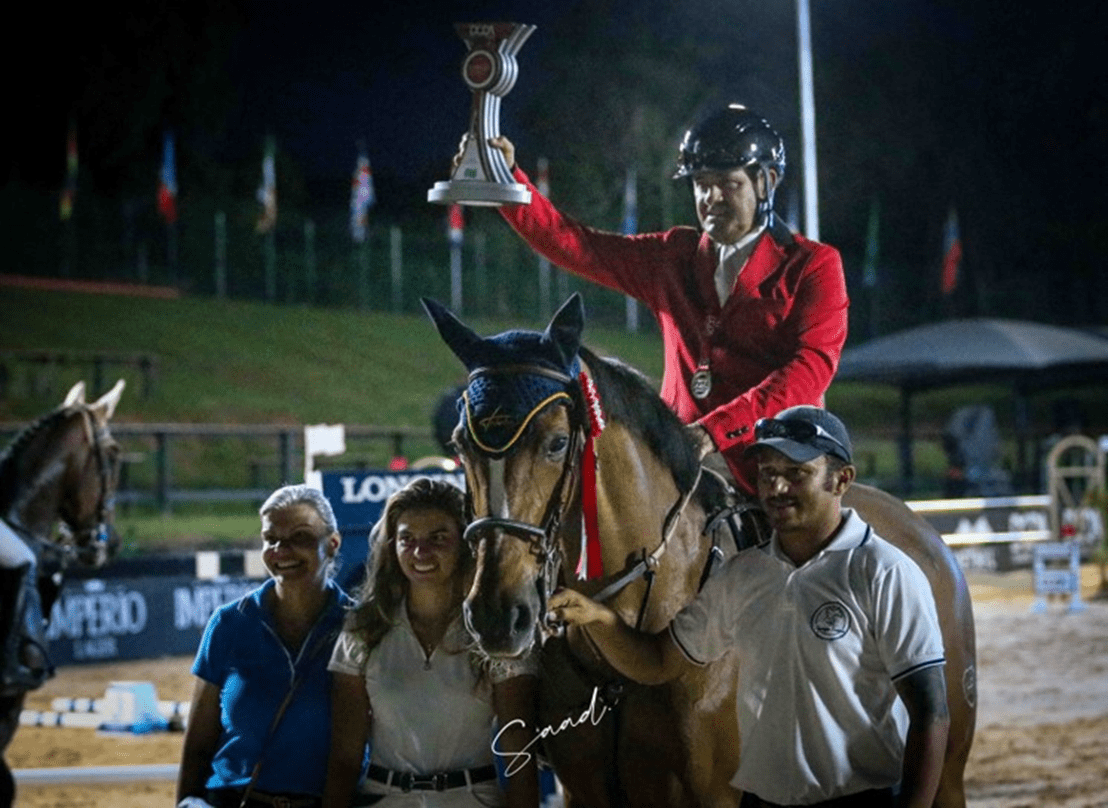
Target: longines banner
{"x": 358, "y": 497}
{"x": 102, "y": 620}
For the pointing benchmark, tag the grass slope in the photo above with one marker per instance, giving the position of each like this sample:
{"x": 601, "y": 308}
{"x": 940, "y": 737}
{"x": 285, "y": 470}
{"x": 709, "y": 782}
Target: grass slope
{"x": 242, "y": 362}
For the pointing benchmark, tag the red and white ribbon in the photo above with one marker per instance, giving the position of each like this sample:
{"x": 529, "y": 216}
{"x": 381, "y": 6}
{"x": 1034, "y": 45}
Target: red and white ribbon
{"x": 590, "y": 565}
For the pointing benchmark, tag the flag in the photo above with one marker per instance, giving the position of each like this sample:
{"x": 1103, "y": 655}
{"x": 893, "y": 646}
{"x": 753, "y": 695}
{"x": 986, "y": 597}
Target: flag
{"x": 69, "y": 190}
{"x": 362, "y": 198}
{"x": 456, "y": 224}
{"x": 952, "y": 253}
{"x": 167, "y": 184}
{"x": 630, "y": 224}
{"x": 869, "y": 265}
{"x": 267, "y": 191}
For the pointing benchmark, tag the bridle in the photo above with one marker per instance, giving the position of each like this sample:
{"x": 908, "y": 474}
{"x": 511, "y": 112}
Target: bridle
{"x": 541, "y": 539}
{"x": 90, "y": 543}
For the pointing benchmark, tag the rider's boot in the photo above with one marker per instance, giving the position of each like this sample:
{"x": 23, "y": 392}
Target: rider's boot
{"x": 26, "y": 663}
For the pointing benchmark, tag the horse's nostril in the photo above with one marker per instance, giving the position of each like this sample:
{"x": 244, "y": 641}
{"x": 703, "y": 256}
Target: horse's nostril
{"x": 521, "y": 618}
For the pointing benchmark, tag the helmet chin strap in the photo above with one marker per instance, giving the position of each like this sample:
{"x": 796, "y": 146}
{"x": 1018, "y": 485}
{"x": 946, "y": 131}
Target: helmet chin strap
{"x": 763, "y": 213}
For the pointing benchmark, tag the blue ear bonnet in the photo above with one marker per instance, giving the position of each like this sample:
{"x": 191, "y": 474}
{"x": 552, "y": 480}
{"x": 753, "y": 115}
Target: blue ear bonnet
{"x": 513, "y": 376}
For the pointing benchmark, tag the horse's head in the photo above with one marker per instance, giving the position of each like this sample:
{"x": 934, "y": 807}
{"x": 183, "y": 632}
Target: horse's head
{"x": 520, "y": 437}
{"x": 87, "y": 505}
{"x": 65, "y": 467}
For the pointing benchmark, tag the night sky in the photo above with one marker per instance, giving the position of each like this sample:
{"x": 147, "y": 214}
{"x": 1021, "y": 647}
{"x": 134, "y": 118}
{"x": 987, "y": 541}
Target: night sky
{"x": 997, "y": 108}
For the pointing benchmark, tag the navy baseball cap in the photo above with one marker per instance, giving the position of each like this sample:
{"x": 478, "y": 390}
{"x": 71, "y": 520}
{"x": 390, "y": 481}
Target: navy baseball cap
{"x": 802, "y": 434}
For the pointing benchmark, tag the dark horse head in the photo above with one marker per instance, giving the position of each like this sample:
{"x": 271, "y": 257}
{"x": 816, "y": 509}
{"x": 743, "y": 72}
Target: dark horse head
{"x": 64, "y": 468}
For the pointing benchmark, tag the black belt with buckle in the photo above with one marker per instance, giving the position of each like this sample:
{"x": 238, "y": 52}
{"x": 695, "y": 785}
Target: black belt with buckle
{"x": 439, "y": 781}
{"x": 233, "y": 797}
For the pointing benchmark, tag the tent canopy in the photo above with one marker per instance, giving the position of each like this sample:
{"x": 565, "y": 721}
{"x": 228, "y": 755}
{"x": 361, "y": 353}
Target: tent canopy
{"x": 1027, "y": 355}
{"x": 981, "y": 349}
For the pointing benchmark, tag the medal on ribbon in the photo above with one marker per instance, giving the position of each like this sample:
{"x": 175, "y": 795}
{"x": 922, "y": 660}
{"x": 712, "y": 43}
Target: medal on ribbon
{"x": 700, "y": 385}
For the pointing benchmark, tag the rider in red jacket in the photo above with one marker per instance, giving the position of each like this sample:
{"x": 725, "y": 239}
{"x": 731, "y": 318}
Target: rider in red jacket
{"x": 753, "y": 316}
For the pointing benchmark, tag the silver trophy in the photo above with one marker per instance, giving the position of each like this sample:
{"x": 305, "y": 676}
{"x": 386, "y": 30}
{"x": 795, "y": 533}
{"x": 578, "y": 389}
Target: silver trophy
{"x": 481, "y": 176}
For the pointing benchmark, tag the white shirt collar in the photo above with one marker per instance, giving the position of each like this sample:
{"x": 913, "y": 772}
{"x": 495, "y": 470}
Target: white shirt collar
{"x": 727, "y": 250}
{"x": 732, "y": 259}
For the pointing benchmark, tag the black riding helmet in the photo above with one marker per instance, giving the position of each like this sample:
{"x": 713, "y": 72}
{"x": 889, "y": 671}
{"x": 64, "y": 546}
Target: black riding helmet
{"x": 729, "y": 138}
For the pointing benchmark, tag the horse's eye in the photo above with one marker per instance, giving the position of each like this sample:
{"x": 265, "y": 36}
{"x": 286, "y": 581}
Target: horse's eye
{"x": 557, "y": 446}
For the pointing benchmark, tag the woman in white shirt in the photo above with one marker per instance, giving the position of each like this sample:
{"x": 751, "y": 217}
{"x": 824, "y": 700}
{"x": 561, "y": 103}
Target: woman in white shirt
{"x": 407, "y": 680}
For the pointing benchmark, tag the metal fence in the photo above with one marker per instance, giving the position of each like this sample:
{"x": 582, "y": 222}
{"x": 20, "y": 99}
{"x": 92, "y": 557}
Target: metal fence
{"x": 309, "y": 257}
{"x": 168, "y": 464}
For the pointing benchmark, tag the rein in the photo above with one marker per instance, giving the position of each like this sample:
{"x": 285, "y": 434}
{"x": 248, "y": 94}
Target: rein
{"x": 649, "y": 563}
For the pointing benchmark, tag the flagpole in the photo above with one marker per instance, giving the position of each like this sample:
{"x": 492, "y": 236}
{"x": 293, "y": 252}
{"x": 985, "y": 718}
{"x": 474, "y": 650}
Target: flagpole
{"x": 363, "y": 274}
{"x": 270, "y": 258}
{"x": 455, "y": 224}
{"x": 808, "y": 120}
{"x": 396, "y": 261}
{"x": 220, "y": 254}
{"x": 630, "y": 227}
{"x": 309, "y": 263}
{"x": 456, "y": 277}
{"x": 543, "y": 186}
{"x": 869, "y": 264}
{"x": 171, "y": 252}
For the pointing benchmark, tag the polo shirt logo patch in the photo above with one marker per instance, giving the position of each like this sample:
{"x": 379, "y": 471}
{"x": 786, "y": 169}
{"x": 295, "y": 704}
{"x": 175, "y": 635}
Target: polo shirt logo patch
{"x": 830, "y": 621}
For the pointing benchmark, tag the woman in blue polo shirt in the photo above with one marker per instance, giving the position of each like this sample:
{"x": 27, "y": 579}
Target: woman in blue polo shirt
{"x": 259, "y": 726}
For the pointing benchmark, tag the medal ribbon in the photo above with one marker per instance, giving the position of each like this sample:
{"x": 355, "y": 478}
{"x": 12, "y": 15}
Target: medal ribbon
{"x": 589, "y": 564}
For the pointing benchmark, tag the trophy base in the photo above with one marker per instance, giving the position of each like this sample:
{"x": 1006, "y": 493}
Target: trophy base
{"x": 480, "y": 193}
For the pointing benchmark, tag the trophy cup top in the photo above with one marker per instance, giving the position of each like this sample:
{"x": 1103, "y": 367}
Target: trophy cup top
{"x": 481, "y": 177}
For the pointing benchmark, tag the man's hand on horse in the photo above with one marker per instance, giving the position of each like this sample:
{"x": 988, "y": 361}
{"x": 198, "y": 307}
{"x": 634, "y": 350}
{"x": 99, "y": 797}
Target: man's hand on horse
{"x": 574, "y": 609}
{"x": 703, "y": 441}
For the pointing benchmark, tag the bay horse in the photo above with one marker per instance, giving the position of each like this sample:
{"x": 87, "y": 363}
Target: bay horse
{"x": 58, "y": 479}
{"x": 534, "y": 404}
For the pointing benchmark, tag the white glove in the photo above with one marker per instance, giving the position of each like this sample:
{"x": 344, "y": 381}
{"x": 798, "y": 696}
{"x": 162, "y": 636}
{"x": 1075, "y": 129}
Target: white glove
{"x": 194, "y": 802}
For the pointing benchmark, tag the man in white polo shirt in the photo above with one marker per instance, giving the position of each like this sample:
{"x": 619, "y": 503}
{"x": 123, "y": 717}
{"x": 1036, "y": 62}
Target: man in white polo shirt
{"x": 832, "y": 624}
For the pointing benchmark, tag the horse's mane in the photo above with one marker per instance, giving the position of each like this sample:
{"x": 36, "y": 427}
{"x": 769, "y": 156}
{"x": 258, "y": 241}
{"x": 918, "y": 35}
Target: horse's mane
{"x": 628, "y": 398}
{"x": 9, "y": 465}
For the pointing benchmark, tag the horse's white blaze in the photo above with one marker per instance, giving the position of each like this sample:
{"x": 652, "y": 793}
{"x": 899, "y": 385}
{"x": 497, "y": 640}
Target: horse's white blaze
{"x": 498, "y": 499}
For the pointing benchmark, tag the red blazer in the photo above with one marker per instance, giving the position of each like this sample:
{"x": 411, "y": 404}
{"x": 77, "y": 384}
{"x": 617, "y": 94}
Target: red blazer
{"x": 774, "y": 344}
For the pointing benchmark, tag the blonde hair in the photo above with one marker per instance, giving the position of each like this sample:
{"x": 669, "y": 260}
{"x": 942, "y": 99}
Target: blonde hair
{"x": 300, "y": 494}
